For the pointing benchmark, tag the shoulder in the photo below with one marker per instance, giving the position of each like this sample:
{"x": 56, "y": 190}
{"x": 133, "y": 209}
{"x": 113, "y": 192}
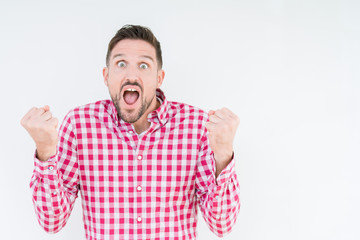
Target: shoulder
{"x": 188, "y": 111}
{"x": 90, "y": 110}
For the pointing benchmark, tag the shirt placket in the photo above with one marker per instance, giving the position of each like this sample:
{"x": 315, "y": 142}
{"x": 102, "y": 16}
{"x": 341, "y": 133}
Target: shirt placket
{"x": 139, "y": 221}
{"x": 138, "y": 185}
{"x": 139, "y": 178}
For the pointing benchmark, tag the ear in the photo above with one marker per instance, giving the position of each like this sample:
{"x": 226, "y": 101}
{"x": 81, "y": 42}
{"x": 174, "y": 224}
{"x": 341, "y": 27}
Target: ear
{"x": 161, "y": 76}
{"x": 106, "y": 75}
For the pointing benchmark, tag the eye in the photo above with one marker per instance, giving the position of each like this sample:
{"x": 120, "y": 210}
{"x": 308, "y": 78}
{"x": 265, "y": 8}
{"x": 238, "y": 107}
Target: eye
{"x": 144, "y": 66}
{"x": 121, "y": 64}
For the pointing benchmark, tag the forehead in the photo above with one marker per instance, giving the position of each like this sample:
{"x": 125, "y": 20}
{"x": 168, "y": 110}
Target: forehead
{"x": 133, "y": 47}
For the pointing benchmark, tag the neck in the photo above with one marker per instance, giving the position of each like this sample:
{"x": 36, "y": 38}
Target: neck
{"x": 143, "y": 124}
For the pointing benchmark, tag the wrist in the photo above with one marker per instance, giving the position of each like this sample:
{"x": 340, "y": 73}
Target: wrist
{"x": 43, "y": 153}
{"x": 223, "y": 157}
{"x": 221, "y": 161}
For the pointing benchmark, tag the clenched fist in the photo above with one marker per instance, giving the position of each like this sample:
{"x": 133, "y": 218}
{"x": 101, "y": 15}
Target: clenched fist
{"x": 41, "y": 126}
{"x": 222, "y": 127}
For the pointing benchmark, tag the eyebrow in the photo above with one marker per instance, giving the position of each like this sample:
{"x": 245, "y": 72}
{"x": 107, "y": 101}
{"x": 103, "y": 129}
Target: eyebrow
{"x": 143, "y": 56}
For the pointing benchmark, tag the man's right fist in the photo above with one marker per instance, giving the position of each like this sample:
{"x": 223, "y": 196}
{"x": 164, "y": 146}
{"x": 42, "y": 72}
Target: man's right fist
{"x": 42, "y": 128}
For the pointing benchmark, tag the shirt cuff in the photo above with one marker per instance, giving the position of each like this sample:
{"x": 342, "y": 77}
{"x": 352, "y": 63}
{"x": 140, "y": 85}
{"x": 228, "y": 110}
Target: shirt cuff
{"x": 45, "y": 169}
{"x": 219, "y": 189}
{"x": 227, "y": 173}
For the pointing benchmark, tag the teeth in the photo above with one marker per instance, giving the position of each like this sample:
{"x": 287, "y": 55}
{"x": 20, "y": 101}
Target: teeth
{"x": 131, "y": 90}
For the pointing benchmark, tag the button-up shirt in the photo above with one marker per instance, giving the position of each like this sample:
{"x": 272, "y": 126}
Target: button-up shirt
{"x": 135, "y": 186}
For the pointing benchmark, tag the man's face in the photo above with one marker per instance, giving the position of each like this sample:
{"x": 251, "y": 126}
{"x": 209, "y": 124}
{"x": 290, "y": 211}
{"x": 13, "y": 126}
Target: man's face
{"x": 132, "y": 77}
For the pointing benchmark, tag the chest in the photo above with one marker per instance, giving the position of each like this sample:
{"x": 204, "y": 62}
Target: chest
{"x": 162, "y": 159}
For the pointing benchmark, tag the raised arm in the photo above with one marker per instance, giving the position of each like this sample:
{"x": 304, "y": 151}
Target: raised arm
{"x": 55, "y": 179}
{"x": 217, "y": 187}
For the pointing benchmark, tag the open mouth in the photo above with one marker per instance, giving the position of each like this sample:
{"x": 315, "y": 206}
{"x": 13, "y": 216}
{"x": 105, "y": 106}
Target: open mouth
{"x": 131, "y": 95}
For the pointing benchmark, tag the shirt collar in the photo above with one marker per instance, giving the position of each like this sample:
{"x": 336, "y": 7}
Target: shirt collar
{"x": 159, "y": 115}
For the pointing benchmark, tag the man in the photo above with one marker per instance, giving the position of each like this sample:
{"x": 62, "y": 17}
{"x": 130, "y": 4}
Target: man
{"x": 142, "y": 163}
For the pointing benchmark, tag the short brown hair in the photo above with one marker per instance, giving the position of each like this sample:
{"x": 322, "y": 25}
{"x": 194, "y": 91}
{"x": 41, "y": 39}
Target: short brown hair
{"x": 135, "y": 32}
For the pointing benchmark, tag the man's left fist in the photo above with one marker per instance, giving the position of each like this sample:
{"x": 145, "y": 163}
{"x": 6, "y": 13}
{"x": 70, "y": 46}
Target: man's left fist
{"x": 222, "y": 127}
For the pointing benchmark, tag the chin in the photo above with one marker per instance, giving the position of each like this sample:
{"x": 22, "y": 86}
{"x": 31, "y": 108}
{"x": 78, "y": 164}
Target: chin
{"x": 129, "y": 119}
{"x": 131, "y": 116}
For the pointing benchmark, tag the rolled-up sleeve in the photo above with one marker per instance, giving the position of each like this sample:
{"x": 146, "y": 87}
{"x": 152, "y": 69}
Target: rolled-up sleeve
{"x": 219, "y": 199}
{"x": 54, "y": 183}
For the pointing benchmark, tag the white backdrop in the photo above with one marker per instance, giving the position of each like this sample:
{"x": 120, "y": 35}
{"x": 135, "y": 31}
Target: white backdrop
{"x": 288, "y": 69}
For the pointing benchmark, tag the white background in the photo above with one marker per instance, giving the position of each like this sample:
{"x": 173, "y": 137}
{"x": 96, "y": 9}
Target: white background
{"x": 288, "y": 69}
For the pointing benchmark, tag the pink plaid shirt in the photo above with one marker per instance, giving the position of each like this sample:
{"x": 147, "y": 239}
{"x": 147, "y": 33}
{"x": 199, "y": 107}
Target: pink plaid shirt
{"x": 132, "y": 186}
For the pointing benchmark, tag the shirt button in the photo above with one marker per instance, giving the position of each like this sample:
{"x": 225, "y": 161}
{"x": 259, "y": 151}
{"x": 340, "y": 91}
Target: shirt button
{"x": 51, "y": 168}
{"x": 139, "y": 188}
{"x": 217, "y": 197}
{"x": 139, "y": 157}
{"x": 139, "y": 219}
{"x": 54, "y": 193}
{"x": 131, "y": 131}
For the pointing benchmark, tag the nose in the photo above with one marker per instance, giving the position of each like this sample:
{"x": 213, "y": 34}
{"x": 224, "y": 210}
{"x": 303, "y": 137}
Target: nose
{"x": 132, "y": 73}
